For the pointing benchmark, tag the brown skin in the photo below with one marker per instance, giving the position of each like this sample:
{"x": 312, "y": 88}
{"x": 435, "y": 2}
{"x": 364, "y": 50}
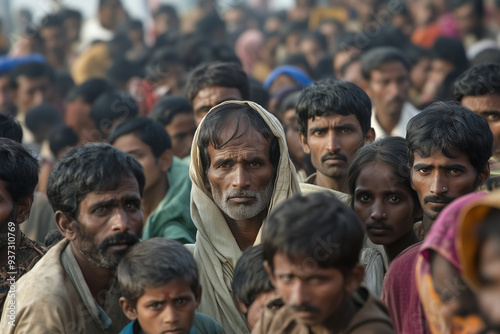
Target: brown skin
{"x": 181, "y": 131}
{"x": 386, "y": 207}
{"x": 489, "y": 274}
{"x": 31, "y": 92}
{"x": 438, "y": 180}
{"x": 211, "y": 96}
{"x": 489, "y": 107}
{"x": 155, "y": 170}
{"x": 242, "y": 165}
{"x": 323, "y": 294}
{"x": 168, "y": 307}
{"x": 388, "y": 88}
{"x": 99, "y": 219}
{"x": 9, "y": 213}
{"x": 332, "y": 141}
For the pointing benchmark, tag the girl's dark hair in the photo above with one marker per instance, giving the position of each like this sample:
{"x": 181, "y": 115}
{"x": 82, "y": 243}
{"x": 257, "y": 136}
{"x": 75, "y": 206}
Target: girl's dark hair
{"x": 389, "y": 150}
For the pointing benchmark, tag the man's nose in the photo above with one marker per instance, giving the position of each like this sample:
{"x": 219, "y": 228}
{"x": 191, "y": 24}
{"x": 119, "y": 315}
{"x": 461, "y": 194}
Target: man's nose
{"x": 240, "y": 177}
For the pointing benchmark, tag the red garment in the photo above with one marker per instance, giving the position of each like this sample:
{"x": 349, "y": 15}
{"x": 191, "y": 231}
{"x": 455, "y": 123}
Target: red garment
{"x": 400, "y": 294}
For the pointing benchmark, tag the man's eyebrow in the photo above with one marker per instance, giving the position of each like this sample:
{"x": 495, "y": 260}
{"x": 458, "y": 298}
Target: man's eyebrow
{"x": 419, "y": 166}
{"x": 221, "y": 161}
{"x": 491, "y": 112}
{"x": 254, "y": 159}
{"x": 453, "y": 166}
{"x": 317, "y": 128}
{"x": 103, "y": 203}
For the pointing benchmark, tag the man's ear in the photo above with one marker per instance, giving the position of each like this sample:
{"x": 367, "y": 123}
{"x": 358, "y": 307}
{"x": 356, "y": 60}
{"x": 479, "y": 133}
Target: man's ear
{"x": 270, "y": 273}
{"x": 23, "y": 209}
{"x": 64, "y": 225}
{"x": 354, "y": 278}
{"x": 303, "y": 143}
{"x": 483, "y": 176}
{"x": 242, "y": 307}
{"x": 198, "y": 297}
{"x": 128, "y": 309}
{"x": 165, "y": 160}
{"x": 370, "y": 136}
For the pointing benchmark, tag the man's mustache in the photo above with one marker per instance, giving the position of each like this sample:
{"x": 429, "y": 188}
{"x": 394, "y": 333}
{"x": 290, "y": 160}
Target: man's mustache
{"x": 438, "y": 199}
{"x": 304, "y": 308}
{"x": 336, "y": 156}
{"x": 122, "y": 238}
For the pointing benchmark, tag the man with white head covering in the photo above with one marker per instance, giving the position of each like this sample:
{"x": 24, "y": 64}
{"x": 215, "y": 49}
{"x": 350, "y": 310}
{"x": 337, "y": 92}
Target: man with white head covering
{"x": 240, "y": 170}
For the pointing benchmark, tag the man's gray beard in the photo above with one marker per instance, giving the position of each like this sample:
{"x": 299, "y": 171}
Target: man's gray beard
{"x": 244, "y": 211}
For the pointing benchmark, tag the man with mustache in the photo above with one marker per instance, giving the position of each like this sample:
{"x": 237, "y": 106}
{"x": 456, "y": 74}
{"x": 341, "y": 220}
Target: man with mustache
{"x": 334, "y": 122}
{"x": 314, "y": 265}
{"x": 95, "y": 191}
{"x": 240, "y": 170}
{"x": 386, "y": 80}
{"x": 448, "y": 150}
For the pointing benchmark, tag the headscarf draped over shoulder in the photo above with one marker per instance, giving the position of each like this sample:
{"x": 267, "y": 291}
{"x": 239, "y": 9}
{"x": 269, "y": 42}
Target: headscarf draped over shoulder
{"x": 216, "y": 251}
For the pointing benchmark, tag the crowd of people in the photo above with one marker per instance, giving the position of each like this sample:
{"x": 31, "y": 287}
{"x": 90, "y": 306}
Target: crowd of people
{"x": 328, "y": 168}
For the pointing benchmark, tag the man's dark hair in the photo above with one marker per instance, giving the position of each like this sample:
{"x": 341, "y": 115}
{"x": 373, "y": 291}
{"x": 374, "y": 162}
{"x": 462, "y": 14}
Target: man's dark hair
{"x": 19, "y": 169}
{"x": 300, "y": 61}
{"x": 89, "y": 90}
{"x": 31, "y": 70}
{"x": 317, "y": 37}
{"x": 245, "y": 117}
{"x": 153, "y": 263}
{"x": 44, "y": 114}
{"x": 229, "y": 75}
{"x": 149, "y": 131}
{"x": 491, "y": 55}
{"x": 258, "y": 94}
{"x": 415, "y": 53}
{"x": 375, "y": 58}
{"x": 166, "y": 10}
{"x": 61, "y": 137}
{"x": 479, "y": 80}
{"x": 391, "y": 151}
{"x": 317, "y": 230}
{"x": 451, "y": 50}
{"x": 50, "y": 21}
{"x": 95, "y": 167}
{"x": 447, "y": 127}
{"x": 111, "y": 106}
{"x": 160, "y": 63}
{"x": 10, "y": 128}
{"x": 69, "y": 13}
{"x": 329, "y": 97}
{"x": 167, "y": 107}
{"x": 250, "y": 279}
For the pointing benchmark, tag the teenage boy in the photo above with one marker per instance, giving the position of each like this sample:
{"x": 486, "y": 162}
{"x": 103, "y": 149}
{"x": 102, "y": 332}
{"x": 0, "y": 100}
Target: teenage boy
{"x": 314, "y": 264}
{"x": 161, "y": 290}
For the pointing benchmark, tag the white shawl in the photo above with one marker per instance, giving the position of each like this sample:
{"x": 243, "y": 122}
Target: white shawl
{"x": 216, "y": 251}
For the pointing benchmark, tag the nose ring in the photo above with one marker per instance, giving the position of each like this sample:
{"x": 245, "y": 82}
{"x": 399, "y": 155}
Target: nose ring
{"x": 444, "y": 188}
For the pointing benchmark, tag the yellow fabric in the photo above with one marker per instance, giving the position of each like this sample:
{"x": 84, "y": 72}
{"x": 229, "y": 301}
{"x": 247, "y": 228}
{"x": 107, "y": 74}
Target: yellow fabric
{"x": 93, "y": 63}
{"x": 216, "y": 251}
{"x": 467, "y": 243}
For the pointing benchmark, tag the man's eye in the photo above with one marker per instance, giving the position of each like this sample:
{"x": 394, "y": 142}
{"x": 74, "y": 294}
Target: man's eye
{"x": 101, "y": 210}
{"x": 319, "y": 132}
{"x": 155, "y": 305}
{"x": 254, "y": 164}
{"x": 423, "y": 170}
{"x": 455, "y": 171}
{"x": 287, "y": 278}
{"x": 346, "y": 130}
{"x": 132, "y": 205}
{"x": 180, "y": 301}
{"x": 493, "y": 117}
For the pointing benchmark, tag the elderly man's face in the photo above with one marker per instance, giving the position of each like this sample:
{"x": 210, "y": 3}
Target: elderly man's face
{"x": 108, "y": 224}
{"x": 241, "y": 175}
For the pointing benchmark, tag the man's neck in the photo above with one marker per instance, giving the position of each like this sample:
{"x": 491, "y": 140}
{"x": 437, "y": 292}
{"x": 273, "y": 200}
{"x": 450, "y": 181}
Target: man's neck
{"x": 400, "y": 245}
{"x": 245, "y": 231}
{"x": 388, "y": 121}
{"x": 324, "y": 181}
{"x": 97, "y": 279}
{"x": 339, "y": 322}
{"x": 153, "y": 196}
{"x": 426, "y": 225}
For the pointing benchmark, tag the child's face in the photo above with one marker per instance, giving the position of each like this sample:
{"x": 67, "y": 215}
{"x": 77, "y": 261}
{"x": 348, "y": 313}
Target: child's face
{"x": 254, "y": 312}
{"x": 385, "y": 206}
{"x": 169, "y": 307}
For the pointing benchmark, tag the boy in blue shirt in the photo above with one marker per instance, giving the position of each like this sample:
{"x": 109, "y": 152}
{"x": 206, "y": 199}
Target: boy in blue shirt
{"x": 161, "y": 290}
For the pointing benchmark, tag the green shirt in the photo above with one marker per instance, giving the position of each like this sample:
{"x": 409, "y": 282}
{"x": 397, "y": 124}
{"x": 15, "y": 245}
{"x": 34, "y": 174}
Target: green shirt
{"x": 171, "y": 218}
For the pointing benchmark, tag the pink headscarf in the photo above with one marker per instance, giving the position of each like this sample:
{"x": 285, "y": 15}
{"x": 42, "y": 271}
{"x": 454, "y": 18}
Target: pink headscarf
{"x": 441, "y": 239}
{"x": 247, "y": 48}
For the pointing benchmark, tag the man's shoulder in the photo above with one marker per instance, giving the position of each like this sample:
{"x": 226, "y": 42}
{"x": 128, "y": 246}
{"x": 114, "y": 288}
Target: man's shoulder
{"x": 372, "y": 317}
{"x": 308, "y": 188}
{"x": 280, "y": 321}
